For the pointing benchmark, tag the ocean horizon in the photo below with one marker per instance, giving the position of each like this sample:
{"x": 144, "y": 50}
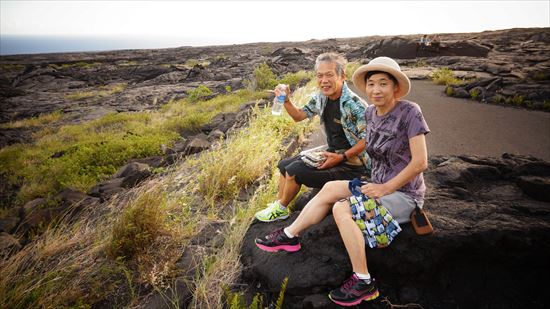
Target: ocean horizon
{"x": 40, "y": 44}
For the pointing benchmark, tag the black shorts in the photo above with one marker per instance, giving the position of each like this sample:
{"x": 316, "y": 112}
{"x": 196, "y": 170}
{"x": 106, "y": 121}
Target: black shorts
{"x": 315, "y": 178}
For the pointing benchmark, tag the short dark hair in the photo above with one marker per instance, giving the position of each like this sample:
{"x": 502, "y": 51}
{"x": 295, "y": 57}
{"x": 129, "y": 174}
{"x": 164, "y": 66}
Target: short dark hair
{"x": 371, "y": 73}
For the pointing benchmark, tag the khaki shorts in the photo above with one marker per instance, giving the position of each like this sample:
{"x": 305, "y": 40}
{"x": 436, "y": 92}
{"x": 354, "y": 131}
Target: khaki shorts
{"x": 400, "y": 205}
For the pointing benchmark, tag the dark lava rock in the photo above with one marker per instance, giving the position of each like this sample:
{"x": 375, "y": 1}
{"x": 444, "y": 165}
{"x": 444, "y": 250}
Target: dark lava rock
{"x": 490, "y": 248}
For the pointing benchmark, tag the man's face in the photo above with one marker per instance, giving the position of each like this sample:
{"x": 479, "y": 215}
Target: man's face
{"x": 329, "y": 81}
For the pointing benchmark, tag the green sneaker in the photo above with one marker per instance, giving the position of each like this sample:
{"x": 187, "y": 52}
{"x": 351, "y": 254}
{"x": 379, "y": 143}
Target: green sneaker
{"x": 272, "y": 212}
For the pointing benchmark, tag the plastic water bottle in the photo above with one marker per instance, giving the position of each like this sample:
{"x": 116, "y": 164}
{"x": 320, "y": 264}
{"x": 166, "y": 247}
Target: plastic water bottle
{"x": 278, "y": 101}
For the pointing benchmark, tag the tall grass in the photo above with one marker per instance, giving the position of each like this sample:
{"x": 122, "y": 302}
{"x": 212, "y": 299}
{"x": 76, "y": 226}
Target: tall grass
{"x": 224, "y": 268}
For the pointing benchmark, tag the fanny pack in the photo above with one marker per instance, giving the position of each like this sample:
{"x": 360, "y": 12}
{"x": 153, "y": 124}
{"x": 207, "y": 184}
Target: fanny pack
{"x": 375, "y": 221}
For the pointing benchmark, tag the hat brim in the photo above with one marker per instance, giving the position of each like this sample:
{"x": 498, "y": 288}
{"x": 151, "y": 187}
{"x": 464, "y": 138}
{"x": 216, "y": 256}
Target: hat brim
{"x": 402, "y": 79}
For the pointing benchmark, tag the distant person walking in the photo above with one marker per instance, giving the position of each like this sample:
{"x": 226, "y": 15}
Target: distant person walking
{"x": 396, "y": 144}
{"x": 341, "y": 113}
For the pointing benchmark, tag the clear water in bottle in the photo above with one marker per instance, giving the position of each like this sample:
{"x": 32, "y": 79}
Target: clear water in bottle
{"x": 278, "y": 102}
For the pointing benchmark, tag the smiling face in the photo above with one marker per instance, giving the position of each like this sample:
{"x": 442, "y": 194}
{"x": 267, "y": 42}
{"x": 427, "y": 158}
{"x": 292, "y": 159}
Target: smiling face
{"x": 329, "y": 81}
{"x": 381, "y": 91}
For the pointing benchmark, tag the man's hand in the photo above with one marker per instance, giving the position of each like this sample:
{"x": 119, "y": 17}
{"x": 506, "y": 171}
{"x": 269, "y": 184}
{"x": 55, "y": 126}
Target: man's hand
{"x": 331, "y": 159}
{"x": 282, "y": 87}
{"x": 374, "y": 190}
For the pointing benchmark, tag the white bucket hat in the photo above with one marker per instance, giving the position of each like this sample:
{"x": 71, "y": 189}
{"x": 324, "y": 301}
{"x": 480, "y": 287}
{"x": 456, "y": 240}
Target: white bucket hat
{"x": 383, "y": 64}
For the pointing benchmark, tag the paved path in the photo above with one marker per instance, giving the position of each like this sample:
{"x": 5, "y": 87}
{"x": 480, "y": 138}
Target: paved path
{"x": 460, "y": 126}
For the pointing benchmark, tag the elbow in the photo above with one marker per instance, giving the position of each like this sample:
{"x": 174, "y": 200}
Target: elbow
{"x": 422, "y": 166}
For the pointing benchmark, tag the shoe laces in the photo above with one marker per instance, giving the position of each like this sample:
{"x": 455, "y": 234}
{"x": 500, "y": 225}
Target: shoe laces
{"x": 274, "y": 234}
{"x": 349, "y": 283}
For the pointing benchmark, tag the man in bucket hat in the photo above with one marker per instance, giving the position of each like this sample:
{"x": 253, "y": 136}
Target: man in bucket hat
{"x": 395, "y": 142}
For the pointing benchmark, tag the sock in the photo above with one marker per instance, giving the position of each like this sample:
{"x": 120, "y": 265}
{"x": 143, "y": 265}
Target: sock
{"x": 287, "y": 233}
{"x": 364, "y": 277}
{"x": 280, "y": 205}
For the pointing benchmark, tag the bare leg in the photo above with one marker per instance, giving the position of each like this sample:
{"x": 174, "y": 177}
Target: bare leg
{"x": 291, "y": 189}
{"x": 318, "y": 208}
{"x": 282, "y": 181}
{"x": 352, "y": 237}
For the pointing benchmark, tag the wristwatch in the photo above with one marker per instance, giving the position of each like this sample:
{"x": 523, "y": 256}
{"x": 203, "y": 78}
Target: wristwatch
{"x": 344, "y": 156}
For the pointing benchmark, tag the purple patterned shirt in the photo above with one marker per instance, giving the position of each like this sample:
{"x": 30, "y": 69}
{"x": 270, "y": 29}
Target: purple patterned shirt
{"x": 388, "y": 144}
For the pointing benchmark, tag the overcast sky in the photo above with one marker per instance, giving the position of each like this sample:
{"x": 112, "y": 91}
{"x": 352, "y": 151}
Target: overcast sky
{"x": 221, "y": 22}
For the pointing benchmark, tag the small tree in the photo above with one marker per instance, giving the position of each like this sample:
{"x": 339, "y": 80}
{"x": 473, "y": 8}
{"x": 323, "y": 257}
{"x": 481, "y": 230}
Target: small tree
{"x": 264, "y": 77}
{"x": 199, "y": 93}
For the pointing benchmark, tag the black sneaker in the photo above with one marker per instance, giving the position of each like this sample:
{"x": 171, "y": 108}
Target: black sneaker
{"x": 277, "y": 241}
{"x": 353, "y": 291}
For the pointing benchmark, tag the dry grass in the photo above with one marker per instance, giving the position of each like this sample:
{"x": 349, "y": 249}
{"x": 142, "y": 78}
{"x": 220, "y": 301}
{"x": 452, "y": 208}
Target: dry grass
{"x": 78, "y": 264}
{"x": 39, "y": 121}
{"x": 103, "y": 91}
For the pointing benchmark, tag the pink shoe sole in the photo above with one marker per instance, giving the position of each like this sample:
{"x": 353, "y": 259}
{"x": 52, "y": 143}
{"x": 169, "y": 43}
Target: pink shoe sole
{"x": 286, "y": 248}
{"x": 357, "y": 302}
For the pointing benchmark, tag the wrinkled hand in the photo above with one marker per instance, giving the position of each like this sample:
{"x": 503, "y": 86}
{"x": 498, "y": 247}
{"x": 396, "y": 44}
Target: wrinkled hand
{"x": 331, "y": 159}
{"x": 375, "y": 190}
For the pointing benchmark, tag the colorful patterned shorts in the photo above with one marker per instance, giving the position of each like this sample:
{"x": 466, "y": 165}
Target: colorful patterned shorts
{"x": 375, "y": 221}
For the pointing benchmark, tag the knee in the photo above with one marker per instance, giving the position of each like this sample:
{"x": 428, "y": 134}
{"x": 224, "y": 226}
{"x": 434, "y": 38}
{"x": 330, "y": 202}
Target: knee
{"x": 340, "y": 211}
{"x": 282, "y": 166}
{"x": 331, "y": 186}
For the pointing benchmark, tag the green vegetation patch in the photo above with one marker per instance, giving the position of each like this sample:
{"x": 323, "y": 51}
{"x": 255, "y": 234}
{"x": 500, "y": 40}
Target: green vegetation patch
{"x": 103, "y": 91}
{"x": 199, "y": 93}
{"x": 445, "y": 76}
{"x": 265, "y": 79}
{"x": 79, "y": 156}
{"x": 79, "y": 64}
{"x": 9, "y": 67}
{"x": 39, "y": 121}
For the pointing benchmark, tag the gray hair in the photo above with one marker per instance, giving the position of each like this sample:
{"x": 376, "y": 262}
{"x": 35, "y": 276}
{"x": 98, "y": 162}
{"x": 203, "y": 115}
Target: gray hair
{"x": 335, "y": 58}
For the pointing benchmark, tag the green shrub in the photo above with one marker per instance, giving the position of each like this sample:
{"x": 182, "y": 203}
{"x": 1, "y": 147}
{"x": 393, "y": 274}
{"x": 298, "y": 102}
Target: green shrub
{"x": 139, "y": 225}
{"x": 264, "y": 78}
{"x": 227, "y": 89}
{"x": 293, "y": 79}
{"x": 445, "y": 76}
{"x": 474, "y": 93}
{"x": 498, "y": 98}
{"x": 516, "y": 100}
{"x": 199, "y": 93}
{"x": 449, "y": 91}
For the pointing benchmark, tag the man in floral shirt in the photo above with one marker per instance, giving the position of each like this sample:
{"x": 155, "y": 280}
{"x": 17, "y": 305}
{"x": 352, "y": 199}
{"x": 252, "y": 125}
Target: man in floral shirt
{"x": 342, "y": 115}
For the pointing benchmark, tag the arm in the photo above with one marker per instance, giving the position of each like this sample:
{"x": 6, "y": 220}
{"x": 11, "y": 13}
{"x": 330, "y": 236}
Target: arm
{"x": 333, "y": 159}
{"x": 294, "y": 112}
{"x": 418, "y": 164}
